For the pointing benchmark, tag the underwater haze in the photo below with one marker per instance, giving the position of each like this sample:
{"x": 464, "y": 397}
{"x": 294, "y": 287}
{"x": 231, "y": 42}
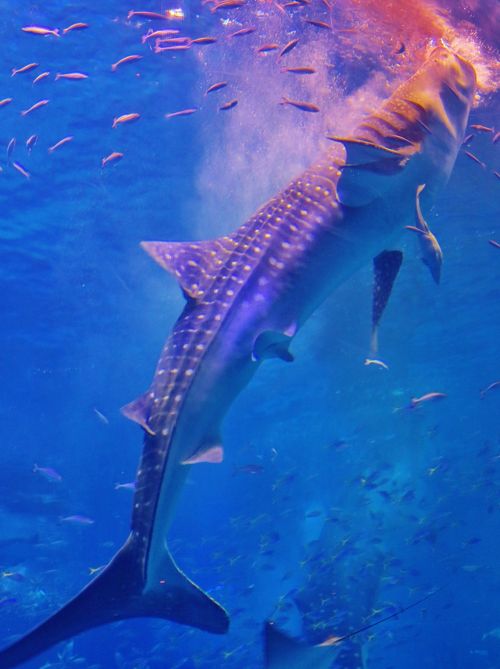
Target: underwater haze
{"x": 358, "y": 481}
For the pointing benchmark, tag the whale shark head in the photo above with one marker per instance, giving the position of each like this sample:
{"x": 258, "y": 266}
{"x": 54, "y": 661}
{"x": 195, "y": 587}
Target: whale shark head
{"x": 427, "y": 114}
{"x": 414, "y": 137}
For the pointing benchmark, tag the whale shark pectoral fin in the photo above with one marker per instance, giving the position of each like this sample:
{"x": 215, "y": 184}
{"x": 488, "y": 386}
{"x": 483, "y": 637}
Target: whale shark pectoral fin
{"x": 138, "y": 411}
{"x": 282, "y": 652}
{"x": 119, "y": 593}
{"x": 272, "y": 344}
{"x": 368, "y": 170}
{"x": 213, "y": 454}
{"x": 386, "y": 267}
{"x": 194, "y": 264}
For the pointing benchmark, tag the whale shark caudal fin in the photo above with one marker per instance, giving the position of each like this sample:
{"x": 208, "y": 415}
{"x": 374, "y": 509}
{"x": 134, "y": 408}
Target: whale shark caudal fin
{"x": 119, "y": 593}
{"x": 282, "y": 652}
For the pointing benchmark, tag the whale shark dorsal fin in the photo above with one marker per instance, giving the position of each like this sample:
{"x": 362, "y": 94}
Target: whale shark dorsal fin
{"x": 138, "y": 411}
{"x": 194, "y": 264}
{"x": 368, "y": 170}
{"x": 385, "y": 268}
{"x": 283, "y": 652}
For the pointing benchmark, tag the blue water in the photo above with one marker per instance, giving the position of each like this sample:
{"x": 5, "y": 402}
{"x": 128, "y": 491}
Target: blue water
{"x": 330, "y": 505}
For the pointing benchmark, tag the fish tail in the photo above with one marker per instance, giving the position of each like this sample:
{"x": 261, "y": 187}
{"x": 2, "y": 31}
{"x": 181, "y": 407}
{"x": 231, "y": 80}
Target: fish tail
{"x": 98, "y": 603}
{"x": 118, "y": 593}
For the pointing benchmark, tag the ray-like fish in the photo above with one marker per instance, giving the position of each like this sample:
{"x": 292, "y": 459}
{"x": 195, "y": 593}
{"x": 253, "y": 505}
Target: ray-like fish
{"x": 247, "y": 294}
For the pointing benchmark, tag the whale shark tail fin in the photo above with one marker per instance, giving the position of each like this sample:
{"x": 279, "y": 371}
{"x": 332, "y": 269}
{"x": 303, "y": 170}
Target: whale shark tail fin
{"x": 115, "y": 594}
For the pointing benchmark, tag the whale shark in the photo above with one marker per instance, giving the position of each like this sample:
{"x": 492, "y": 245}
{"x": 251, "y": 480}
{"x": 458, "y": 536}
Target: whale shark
{"x": 247, "y": 295}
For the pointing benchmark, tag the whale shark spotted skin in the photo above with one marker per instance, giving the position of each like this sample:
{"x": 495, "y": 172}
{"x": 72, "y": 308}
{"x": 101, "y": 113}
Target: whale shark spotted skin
{"x": 247, "y": 294}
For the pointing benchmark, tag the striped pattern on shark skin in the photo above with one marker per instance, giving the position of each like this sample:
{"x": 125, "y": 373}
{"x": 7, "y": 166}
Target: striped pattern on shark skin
{"x": 275, "y": 239}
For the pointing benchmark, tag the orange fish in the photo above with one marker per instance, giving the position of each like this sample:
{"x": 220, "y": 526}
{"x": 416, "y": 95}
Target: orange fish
{"x": 25, "y": 68}
{"x": 127, "y": 59}
{"x": 37, "y": 105}
{"x": 229, "y": 105}
{"x": 125, "y": 118}
{"x": 300, "y": 104}
{"x": 60, "y": 143}
{"x": 299, "y": 70}
{"x": 318, "y": 24}
{"x": 75, "y": 26}
{"x": 44, "y": 75}
{"x": 481, "y": 128}
{"x": 228, "y": 4}
{"x": 288, "y": 47}
{"x": 112, "y": 158}
{"x": 242, "y": 32}
{"x": 204, "y": 40}
{"x": 174, "y": 40}
{"x": 175, "y": 47}
{"x": 72, "y": 76}
{"x": 147, "y": 15}
{"x": 182, "y": 112}
{"x": 217, "y": 86}
{"x": 5, "y": 102}
{"x": 265, "y": 48}
{"x": 152, "y": 34}
{"x": 39, "y": 30}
